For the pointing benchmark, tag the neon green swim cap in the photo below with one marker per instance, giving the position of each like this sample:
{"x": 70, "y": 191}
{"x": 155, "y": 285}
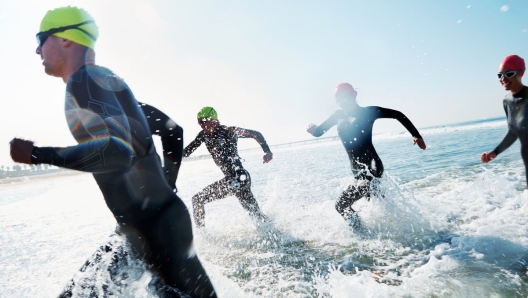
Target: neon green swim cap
{"x": 208, "y": 112}
{"x": 85, "y": 34}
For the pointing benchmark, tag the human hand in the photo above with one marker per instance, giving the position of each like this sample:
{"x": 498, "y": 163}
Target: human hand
{"x": 420, "y": 142}
{"x": 311, "y": 128}
{"x": 21, "y": 150}
{"x": 487, "y": 156}
{"x": 267, "y": 157}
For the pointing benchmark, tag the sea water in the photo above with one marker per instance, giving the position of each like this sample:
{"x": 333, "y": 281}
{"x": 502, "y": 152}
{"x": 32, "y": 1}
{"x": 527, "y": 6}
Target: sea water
{"x": 442, "y": 224}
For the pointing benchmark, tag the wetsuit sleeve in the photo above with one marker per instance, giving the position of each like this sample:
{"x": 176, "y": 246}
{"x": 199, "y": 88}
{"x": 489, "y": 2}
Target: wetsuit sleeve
{"x": 171, "y": 135}
{"x": 329, "y": 123}
{"x": 248, "y": 133}
{"x": 193, "y": 145}
{"x": 103, "y": 134}
{"x": 388, "y": 113}
{"x": 509, "y": 138}
{"x": 95, "y": 156}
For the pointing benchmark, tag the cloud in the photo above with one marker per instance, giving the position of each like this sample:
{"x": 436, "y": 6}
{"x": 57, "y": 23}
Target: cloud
{"x": 459, "y": 21}
{"x": 504, "y": 8}
{"x": 468, "y": 7}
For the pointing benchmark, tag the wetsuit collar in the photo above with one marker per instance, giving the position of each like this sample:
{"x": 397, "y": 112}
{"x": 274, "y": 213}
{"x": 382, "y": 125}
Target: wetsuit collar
{"x": 523, "y": 93}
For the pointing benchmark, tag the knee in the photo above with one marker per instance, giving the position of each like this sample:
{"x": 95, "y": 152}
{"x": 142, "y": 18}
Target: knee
{"x": 197, "y": 200}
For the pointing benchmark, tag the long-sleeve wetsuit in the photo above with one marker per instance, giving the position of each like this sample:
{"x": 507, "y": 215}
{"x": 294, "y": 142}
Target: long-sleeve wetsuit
{"x": 355, "y": 131}
{"x": 115, "y": 145}
{"x": 222, "y": 144}
{"x": 516, "y": 109}
{"x": 171, "y": 135}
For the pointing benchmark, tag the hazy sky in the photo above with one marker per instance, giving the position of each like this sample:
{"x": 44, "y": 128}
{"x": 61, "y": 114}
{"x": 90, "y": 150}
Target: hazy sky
{"x": 272, "y": 66}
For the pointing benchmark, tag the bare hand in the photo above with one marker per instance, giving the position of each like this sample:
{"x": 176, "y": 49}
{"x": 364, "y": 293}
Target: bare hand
{"x": 487, "y": 156}
{"x": 21, "y": 150}
{"x": 420, "y": 142}
{"x": 267, "y": 157}
{"x": 311, "y": 128}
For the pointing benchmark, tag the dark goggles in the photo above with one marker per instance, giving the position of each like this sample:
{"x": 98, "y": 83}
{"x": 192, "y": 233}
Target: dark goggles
{"x": 509, "y": 74}
{"x": 204, "y": 120}
{"x": 42, "y": 36}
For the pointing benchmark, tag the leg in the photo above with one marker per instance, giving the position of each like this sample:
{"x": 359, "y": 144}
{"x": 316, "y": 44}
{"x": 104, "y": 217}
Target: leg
{"x": 241, "y": 186}
{"x": 216, "y": 191}
{"x": 248, "y": 202}
{"x": 349, "y": 197}
{"x": 173, "y": 256}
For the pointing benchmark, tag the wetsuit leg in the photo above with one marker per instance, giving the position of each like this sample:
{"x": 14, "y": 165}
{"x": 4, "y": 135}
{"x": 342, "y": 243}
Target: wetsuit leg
{"x": 216, "y": 191}
{"x": 241, "y": 185}
{"x": 349, "y": 197}
{"x": 172, "y": 254}
{"x": 248, "y": 202}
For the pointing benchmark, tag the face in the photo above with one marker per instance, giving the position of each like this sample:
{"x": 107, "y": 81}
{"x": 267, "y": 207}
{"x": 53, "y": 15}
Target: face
{"x": 511, "y": 84}
{"x": 208, "y": 125}
{"x": 50, "y": 52}
{"x": 346, "y": 102}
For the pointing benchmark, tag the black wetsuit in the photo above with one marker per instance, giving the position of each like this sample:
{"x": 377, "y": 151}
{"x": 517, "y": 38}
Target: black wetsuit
{"x": 171, "y": 135}
{"x": 516, "y": 109}
{"x": 355, "y": 130}
{"x": 222, "y": 144}
{"x": 115, "y": 144}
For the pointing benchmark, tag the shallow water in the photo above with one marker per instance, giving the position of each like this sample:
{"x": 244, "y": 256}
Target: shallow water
{"x": 442, "y": 225}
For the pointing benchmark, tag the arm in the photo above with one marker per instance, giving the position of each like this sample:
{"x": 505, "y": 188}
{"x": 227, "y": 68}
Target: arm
{"x": 95, "y": 156}
{"x": 318, "y": 131}
{"x": 388, "y": 113}
{"x": 100, "y": 125}
{"x": 508, "y": 140}
{"x": 171, "y": 135}
{"x": 257, "y": 136}
{"x": 193, "y": 145}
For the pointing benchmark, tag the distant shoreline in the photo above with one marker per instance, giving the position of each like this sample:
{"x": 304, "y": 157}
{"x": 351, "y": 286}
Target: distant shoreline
{"x": 18, "y": 176}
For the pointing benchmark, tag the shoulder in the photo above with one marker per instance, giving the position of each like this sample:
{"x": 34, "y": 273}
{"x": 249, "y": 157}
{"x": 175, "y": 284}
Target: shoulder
{"x": 375, "y": 109}
{"x": 229, "y": 128}
{"x": 102, "y": 77}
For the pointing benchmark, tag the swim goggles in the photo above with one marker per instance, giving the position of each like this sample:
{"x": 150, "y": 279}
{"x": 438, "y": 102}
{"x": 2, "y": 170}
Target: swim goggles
{"x": 42, "y": 36}
{"x": 509, "y": 74}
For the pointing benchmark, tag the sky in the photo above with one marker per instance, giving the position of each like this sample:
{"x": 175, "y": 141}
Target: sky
{"x": 271, "y": 66}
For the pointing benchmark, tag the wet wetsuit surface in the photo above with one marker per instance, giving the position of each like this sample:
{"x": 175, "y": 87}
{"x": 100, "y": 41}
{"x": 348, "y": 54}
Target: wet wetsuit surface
{"x": 115, "y": 144}
{"x": 171, "y": 135}
{"x": 222, "y": 144}
{"x": 355, "y": 131}
{"x": 516, "y": 109}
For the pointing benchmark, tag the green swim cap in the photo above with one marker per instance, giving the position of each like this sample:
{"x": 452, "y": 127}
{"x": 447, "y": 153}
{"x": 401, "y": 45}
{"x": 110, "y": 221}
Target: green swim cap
{"x": 208, "y": 112}
{"x": 68, "y": 16}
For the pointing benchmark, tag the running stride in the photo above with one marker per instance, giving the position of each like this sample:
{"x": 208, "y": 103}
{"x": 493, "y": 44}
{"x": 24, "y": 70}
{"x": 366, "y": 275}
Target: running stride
{"x": 221, "y": 141}
{"x": 115, "y": 145}
{"x": 354, "y": 126}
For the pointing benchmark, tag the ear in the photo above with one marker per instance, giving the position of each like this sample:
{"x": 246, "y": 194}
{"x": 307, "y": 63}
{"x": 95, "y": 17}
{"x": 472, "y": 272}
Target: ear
{"x": 66, "y": 43}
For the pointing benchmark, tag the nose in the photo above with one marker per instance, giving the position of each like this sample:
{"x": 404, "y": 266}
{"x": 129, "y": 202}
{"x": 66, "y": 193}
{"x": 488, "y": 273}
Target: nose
{"x": 38, "y": 50}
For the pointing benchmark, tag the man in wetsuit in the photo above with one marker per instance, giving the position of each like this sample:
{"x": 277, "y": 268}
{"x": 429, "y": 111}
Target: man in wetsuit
{"x": 354, "y": 127}
{"x": 221, "y": 141}
{"x": 115, "y": 144}
{"x": 515, "y": 105}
